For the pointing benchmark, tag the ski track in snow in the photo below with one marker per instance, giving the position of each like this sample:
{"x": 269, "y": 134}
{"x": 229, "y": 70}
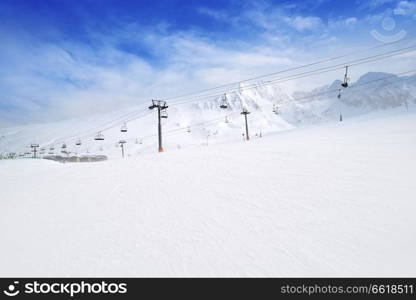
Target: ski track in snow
{"x": 325, "y": 200}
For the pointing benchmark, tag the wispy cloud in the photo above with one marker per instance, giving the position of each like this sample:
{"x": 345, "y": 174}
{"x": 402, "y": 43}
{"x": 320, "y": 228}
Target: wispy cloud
{"x": 301, "y": 23}
{"x": 375, "y": 4}
{"x": 342, "y": 23}
{"x": 406, "y": 8}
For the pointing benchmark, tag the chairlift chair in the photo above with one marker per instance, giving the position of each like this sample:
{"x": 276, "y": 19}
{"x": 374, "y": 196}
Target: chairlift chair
{"x": 123, "y": 128}
{"x": 78, "y": 143}
{"x": 345, "y": 83}
{"x": 99, "y": 137}
{"x": 224, "y": 103}
{"x": 63, "y": 148}
{"x": 164, "y": 113}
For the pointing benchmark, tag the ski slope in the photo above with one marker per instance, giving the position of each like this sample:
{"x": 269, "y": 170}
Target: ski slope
{"x": 333, "y": 199}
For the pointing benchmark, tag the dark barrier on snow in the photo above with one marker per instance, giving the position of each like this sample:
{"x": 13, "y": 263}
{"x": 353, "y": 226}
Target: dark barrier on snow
{"x": 84, "y": 158}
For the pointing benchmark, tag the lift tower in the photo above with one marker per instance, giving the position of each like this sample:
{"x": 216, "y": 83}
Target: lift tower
{"x": 245, "y": 112}
{"x": 34, "y": 149}
{"x": 122, "y": 142}
{"x": 161, "y": 107}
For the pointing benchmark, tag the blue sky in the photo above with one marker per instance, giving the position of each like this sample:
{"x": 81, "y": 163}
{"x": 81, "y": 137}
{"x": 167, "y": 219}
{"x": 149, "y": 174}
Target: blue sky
{"x": 61, "y": 59}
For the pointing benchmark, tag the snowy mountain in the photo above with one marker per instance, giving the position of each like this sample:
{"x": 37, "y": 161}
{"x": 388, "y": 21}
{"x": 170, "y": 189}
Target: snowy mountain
{"x": 197, "y": 122}
{"x": 372, "y": 91}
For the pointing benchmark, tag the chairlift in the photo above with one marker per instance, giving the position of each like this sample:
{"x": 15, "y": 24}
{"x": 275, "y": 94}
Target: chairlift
{"x": 224, "y": 102}
{"x": 123, "y": 128}
{"x": 78, "y": 143}
{"x": 346, "y": 79}
{"x": 275, "y": 109}
{"x": 188, "y": 129}
{"x": 63, "y": 148}
{"x": 164, "y": 113}
{"x": 99, "y": 137}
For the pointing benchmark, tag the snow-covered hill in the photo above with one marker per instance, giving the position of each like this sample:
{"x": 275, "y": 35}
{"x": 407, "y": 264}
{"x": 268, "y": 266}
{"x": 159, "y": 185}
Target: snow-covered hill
{"x": 332, "y": 199}
{"x": 194, "y": 124}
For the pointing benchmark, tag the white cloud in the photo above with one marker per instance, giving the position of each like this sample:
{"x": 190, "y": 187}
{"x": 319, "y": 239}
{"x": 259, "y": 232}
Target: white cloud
{"x": 405, "y": 8}
{"x": 216, "y": 14}
{"x": 342, "y": 23}
{"x": 374, "y": 4}
{"x": 267, "y": 16}
{"x": 63, "y": 79}
{"x": 301, "y": 23}
{"x": 350, "y": 21}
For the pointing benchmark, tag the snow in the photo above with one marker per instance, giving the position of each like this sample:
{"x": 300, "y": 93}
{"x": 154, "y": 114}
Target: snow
{"x": 331, "y": 199}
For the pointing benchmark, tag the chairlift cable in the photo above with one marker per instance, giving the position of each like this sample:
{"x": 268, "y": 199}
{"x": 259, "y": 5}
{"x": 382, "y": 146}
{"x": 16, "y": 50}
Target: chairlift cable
{"x": 129, "y": 116}
{"x": 308, "y": 73}
{"x": 292, "y": 69}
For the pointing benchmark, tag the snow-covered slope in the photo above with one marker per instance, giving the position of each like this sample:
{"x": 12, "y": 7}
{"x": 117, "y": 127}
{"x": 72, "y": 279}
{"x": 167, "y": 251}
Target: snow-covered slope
{"x": 207, "y": 122}
{"x": 334, "y": 199}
